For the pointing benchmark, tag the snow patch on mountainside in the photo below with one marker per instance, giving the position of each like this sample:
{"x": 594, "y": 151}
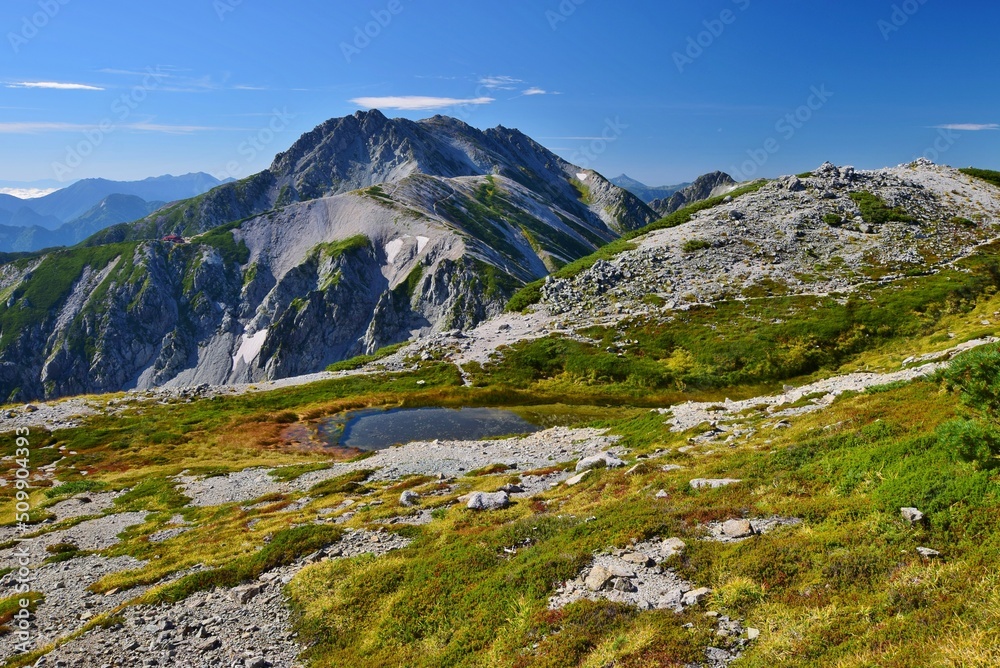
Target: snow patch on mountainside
{"x": 250, "y": 348}
{"x": 392, "y": 250}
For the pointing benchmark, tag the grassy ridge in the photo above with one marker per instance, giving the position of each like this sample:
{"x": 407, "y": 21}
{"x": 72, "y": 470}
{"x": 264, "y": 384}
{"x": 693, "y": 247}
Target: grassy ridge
{"x": 50, "y": 285}
{"x": 739, "y": 343}
{"x": 987, "y": 175}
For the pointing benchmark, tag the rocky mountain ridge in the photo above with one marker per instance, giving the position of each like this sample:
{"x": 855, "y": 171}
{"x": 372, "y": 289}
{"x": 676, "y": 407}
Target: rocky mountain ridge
{"x": 822, "y": 233}
{"x": 704, "y": 187}
{"x": 307, "y": 269}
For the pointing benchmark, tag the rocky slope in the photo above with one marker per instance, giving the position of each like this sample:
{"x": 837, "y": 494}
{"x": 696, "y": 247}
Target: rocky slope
{"x": 826, "y": 233}
{"x": 366, "y": 232}
{"x": 791, "y": 236}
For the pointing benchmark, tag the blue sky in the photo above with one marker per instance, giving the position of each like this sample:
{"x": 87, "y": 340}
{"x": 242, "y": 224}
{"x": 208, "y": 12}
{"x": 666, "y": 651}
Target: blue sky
{"x": 662, "y": 90}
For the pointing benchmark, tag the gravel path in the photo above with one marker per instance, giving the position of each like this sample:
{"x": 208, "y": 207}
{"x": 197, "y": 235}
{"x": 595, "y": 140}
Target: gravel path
{"x": 691, "y": 414}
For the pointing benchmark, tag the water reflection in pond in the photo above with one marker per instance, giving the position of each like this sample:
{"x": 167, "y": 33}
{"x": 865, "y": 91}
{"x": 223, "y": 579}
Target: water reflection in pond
{"x": 379, "y": 429}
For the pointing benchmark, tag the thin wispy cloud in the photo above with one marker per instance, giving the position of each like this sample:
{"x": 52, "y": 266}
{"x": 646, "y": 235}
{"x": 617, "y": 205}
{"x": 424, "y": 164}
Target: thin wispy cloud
{"x": 500, "y": 83}
{"x": 41, "y": 127}
{"x": 37, "y": 127}
{"x": 175, "y": 80}
{"x": 139, "y": 73}
{"x": 513, "y": 84}
{"x": 53, "y": 85}
{"x": 173, "y": 129}
{"x": 417, "y": 102}
{"x": 968, "y": 127}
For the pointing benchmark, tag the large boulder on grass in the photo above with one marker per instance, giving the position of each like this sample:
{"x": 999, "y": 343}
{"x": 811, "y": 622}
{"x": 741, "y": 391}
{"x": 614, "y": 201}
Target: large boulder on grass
{"x": 488, "y": 501}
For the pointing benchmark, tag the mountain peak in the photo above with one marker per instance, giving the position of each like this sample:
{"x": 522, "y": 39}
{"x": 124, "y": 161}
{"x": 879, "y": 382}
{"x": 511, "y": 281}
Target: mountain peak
{"x": 370, "y": 114}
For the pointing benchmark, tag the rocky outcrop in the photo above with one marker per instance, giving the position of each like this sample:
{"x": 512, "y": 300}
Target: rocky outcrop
{"x": 825, "y": 233}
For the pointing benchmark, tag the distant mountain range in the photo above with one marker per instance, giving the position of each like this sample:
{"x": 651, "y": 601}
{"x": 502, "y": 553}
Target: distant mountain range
{"x": 69, "y": 215}
{"x": 646, "y": 193}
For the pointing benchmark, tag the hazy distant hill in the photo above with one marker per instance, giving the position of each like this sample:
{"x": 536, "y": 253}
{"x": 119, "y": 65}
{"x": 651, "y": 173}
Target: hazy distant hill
{"x": 68, "y": 216}
{"x": 110, "y": 211}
